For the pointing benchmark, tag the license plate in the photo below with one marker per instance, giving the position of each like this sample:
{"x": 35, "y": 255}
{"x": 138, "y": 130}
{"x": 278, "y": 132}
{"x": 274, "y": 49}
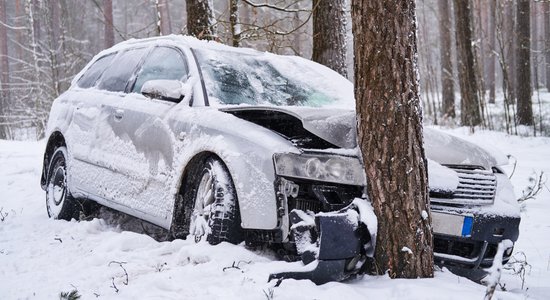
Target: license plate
{"x": 449, "y": 224}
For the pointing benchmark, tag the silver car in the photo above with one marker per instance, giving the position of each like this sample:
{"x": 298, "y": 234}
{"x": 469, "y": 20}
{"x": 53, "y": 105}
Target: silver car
{"x": 239, "y": 145}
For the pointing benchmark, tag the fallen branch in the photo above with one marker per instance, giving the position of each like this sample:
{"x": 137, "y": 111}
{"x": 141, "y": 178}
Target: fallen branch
{"x": 125, "y": 282}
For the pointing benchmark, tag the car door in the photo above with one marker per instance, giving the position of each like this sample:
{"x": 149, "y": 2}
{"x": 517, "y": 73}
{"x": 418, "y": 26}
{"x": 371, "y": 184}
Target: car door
{"x": 80, "y": 133}
{"x": 111, "y": 147}
{"x": 147, "y": 160}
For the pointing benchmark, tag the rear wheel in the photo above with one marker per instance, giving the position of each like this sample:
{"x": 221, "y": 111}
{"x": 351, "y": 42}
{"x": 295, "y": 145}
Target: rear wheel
{"x": 215, "y": 211}
{"x": 59, "y": 202}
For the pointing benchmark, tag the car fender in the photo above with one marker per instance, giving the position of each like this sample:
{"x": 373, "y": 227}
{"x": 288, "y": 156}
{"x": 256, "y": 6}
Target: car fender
{"x": 246, "y": 149}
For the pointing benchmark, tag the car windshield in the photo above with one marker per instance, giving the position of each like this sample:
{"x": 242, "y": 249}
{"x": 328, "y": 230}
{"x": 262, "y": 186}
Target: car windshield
{"x": 256, "y": 78}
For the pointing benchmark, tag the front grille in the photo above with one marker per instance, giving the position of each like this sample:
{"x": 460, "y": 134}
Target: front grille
{"x": 477, "y": 186}
{"x": 466, "y": 249}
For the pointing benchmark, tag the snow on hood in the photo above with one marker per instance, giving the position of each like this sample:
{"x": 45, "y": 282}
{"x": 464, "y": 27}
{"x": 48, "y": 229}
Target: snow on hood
{"x": 450, "y": 150}
{"x": 338, "y": 127}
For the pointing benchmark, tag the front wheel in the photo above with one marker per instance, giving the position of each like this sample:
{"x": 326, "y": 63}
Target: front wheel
{"x": 215, "y": 211}
{"x": 59, "y": 202}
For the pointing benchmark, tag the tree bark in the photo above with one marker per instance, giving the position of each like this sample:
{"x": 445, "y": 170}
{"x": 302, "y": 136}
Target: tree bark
{"x": 390, "y": 134}
{"x": 4, "y": 69}
{"x": 447, "y": 78}
{"x": 469, "y": 97}
{"x": 329, "y": 34}
{"x": 491, "y": 51}
{"x": 524, "y": 89}
{"x": 109, "y": 28}
{"x": 200, "y": 19}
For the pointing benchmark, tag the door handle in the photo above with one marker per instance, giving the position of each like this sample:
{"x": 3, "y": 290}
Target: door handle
{"x": 119, "y": 113}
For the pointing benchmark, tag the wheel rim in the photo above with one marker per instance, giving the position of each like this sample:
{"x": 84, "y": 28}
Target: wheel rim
{"x": 201, "y": 210}
{"x": 58, "y": 185}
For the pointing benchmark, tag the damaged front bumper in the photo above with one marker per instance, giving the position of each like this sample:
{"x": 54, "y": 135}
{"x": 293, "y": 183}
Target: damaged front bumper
{"x": 333, "y": 246}
{"x": 472, "y": 248}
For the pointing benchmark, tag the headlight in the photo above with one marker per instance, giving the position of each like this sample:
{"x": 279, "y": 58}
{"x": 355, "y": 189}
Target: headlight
{"x": 329, "y": 168}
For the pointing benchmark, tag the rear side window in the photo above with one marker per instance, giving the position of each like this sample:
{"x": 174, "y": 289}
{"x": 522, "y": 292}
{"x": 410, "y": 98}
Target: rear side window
{"x": 162, "y": 63}
{"x": 93, "y": 73}
{"x": 118, "y": 74}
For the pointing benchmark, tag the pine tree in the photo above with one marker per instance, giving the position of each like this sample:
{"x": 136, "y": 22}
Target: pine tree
{"x": 390, "y": 134}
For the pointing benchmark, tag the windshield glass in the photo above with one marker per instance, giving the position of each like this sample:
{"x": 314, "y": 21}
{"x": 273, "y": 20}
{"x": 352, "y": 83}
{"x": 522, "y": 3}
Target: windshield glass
{"x": 257, "y": 78}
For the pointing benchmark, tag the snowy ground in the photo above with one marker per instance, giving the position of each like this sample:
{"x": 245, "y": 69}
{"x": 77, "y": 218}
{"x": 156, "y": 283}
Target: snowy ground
{"x": 39, "y": 257}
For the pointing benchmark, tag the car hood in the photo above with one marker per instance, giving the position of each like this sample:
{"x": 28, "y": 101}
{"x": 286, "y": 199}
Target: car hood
{"x": 338, "y": 127}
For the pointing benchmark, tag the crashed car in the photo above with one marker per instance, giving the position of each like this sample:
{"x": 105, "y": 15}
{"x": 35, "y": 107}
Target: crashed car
{"x": 232, "y": 145}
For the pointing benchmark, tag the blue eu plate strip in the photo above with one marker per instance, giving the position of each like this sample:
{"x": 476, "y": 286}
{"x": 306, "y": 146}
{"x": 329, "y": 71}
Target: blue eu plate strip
{"x": 467, "y": 226}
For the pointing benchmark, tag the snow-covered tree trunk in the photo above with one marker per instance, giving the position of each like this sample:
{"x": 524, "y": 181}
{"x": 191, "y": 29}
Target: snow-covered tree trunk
{"x": 447, "y": 78}
{"x": 389, "y": 121}
{"x": 109, "y": 28}
{"x": 524, "y": 89}
{"x": 200, "y": 19}
{"x": 329, "y": 34}
{"x": 234, "y": 23}
{"x": 467, "y": 76}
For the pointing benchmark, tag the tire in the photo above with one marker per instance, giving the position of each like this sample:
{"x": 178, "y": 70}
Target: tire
{"x": 59, "y": 202}
{"x": 214, "y": 210}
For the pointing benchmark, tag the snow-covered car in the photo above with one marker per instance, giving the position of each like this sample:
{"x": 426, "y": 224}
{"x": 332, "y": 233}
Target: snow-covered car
{"x": 238, "y": 145}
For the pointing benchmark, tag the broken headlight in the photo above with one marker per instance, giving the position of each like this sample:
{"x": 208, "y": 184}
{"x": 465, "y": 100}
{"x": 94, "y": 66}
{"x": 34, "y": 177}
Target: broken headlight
{"x": 328, "y": 168}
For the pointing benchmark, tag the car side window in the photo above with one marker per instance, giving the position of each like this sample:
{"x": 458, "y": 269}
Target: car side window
{"x": 93, "y": 73}
{"x": 118, "y": 74}
{"x": 162, "y": 63}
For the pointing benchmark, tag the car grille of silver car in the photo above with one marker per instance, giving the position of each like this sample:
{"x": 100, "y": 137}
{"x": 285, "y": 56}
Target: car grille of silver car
{"x": 477, "y": 186}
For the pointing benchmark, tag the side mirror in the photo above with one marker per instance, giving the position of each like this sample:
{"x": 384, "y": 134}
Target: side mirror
{"x": 170, "y": 90}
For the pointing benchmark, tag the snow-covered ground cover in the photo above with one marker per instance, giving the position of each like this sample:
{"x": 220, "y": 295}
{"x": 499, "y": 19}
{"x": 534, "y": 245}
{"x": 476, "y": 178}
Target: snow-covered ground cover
{"x": 39, "y": 257}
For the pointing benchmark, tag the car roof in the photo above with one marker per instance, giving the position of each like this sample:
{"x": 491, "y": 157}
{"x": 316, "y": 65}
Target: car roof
{"x": 176, "y": 40}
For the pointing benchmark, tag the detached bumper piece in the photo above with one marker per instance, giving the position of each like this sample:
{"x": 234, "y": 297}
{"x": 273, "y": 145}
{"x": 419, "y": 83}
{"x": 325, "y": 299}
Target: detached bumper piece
{"x": 331, "y": 245}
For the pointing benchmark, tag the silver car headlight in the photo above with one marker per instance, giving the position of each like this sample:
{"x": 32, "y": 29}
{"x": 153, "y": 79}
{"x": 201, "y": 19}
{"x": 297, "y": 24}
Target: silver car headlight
{"x": 329, "y": 168}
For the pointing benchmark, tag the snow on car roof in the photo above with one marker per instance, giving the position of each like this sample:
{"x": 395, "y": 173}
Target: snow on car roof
{"x": 327, "y": 80}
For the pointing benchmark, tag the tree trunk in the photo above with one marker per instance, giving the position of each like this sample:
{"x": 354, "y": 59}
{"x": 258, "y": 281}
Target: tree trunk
{"x": 447, "y": 78}
{"x": 469, "y": 100}
{"x": 4, "y": 70}
{"x": 491, "y": 51}
{"x": 329, "y": 34}
{"x": 534, "y": 44}
{"x": 19, "y": 14}
{"x": 233, "y": 23}
{"x": 200, "y": 19}
{"x": 547, "y": 42}
{"x": 109, "y": 28}
{"x": 524, "y": 90}
{"x": 54, "y": 29}
{"x": 163, "y": 12}
{"x": 390, "y": 134}
{"x": 510, "y": 33}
